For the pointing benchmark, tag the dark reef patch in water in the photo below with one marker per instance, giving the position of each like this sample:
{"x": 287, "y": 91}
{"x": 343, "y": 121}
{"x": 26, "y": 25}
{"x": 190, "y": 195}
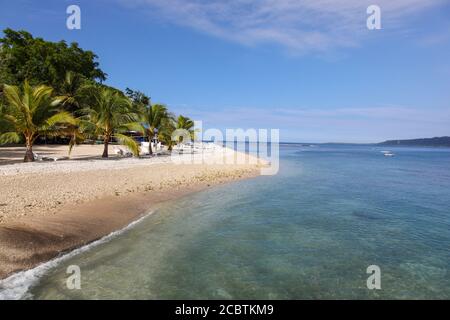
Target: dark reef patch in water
{"x": 366, "y": 215}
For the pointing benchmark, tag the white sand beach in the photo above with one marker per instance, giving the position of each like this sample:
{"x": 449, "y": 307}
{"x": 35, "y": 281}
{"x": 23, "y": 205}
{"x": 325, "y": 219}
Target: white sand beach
{"x": 50, "y": 207}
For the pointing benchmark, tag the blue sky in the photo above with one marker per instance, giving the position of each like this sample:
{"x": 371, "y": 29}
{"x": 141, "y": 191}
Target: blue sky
{"x": 310, "y": 68}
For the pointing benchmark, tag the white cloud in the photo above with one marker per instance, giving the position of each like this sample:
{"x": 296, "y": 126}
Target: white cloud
{"x": 298, "y": 25}
{"x": 365, "y": 124}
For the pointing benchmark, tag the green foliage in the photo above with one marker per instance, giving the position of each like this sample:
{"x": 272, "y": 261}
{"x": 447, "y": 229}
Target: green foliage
{"x": 186, "y": 124}
{"x": 23, "y": 57}
{"x": 152, "y": 117}
{"x": 73, "y": 91}
{"x": 168, "y": 126}
{"x": 109, "y": 115}
{"x": 138, "y": 97}
{"x": 31, "y": 112}
{"x": 50, "y": 88}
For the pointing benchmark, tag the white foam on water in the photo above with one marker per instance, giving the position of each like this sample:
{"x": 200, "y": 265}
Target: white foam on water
{"x": 17, "y": 286}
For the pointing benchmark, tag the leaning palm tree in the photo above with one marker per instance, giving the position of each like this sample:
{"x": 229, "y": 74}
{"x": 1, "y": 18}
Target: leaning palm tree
{"x": 29, "y": 113}
{"x": 153, "y": 117}
{"x": 110, "y": 115}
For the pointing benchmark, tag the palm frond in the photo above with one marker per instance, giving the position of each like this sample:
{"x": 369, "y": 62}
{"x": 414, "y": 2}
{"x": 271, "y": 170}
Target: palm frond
{"x": 61, "y": 117}
{"x": 12, "y": 94}
{"x": 129, "y": 142}
{"x": 9, "y": 137}
{"x": 41, "y": 97}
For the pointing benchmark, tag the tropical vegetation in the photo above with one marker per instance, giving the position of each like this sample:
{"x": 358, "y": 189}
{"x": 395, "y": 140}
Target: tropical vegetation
{"x": 155, "y": 117}
{"x": 52, "y": 89}
{"x": 110, "y": 115}
{"x": 30, "y": 112}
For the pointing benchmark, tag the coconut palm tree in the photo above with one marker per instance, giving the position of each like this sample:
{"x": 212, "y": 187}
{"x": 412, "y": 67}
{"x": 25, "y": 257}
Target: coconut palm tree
{"x": 29, "y": 113}
{"x": 109, "y": 115}
{"x": 168, "y": 126}
{"x": 153, "y": 117}
{"x": 73, "y": 92}
{"x": 186, "y": 124}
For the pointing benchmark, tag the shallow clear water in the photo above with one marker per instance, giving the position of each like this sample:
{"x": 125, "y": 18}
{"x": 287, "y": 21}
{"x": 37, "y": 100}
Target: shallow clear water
{"x": 309, "y": 232}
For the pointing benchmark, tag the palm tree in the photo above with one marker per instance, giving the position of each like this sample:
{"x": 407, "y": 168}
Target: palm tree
{"x": 153, "y": 117}
{"x": 73, "y": 93}
{"x": 168, "y": 126}
{"x": 31, "y": 112}
{"x": 110, "y": 115}
{"x": 186, "y": 124}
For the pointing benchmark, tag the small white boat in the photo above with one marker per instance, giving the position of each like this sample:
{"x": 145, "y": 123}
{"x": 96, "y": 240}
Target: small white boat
{"x": 388, "y": 153}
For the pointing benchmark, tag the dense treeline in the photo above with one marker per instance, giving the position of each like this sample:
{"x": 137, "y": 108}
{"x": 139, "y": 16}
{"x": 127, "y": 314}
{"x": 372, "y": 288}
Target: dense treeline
{"x": 55, "y": 89}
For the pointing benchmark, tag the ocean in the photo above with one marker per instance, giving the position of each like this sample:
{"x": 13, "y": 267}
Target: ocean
{"x": 310, "y": 232}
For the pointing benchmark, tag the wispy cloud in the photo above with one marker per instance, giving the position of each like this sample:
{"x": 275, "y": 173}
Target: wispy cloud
{"x": 298, "y": 25}
{"x": 365, "y": 124}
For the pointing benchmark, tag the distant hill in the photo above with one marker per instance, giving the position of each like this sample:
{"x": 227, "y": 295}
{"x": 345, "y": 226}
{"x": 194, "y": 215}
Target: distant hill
{"x": 426, "y": 142}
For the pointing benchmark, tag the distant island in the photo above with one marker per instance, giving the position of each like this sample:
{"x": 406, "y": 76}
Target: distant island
{"x": 425, "y": 142}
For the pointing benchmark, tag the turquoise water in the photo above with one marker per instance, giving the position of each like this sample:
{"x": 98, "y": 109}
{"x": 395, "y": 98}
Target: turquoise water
{"x": 309, "y": 232}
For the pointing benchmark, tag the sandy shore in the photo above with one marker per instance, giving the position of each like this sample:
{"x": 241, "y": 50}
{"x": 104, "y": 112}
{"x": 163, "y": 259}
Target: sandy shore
{"x": 51, "y": 207}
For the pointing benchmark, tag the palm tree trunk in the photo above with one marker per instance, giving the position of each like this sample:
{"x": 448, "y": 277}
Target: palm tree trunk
{"x": 105, "y": 150}
{"x": 29, "y": 157}
{"x": 150, "y": 138}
